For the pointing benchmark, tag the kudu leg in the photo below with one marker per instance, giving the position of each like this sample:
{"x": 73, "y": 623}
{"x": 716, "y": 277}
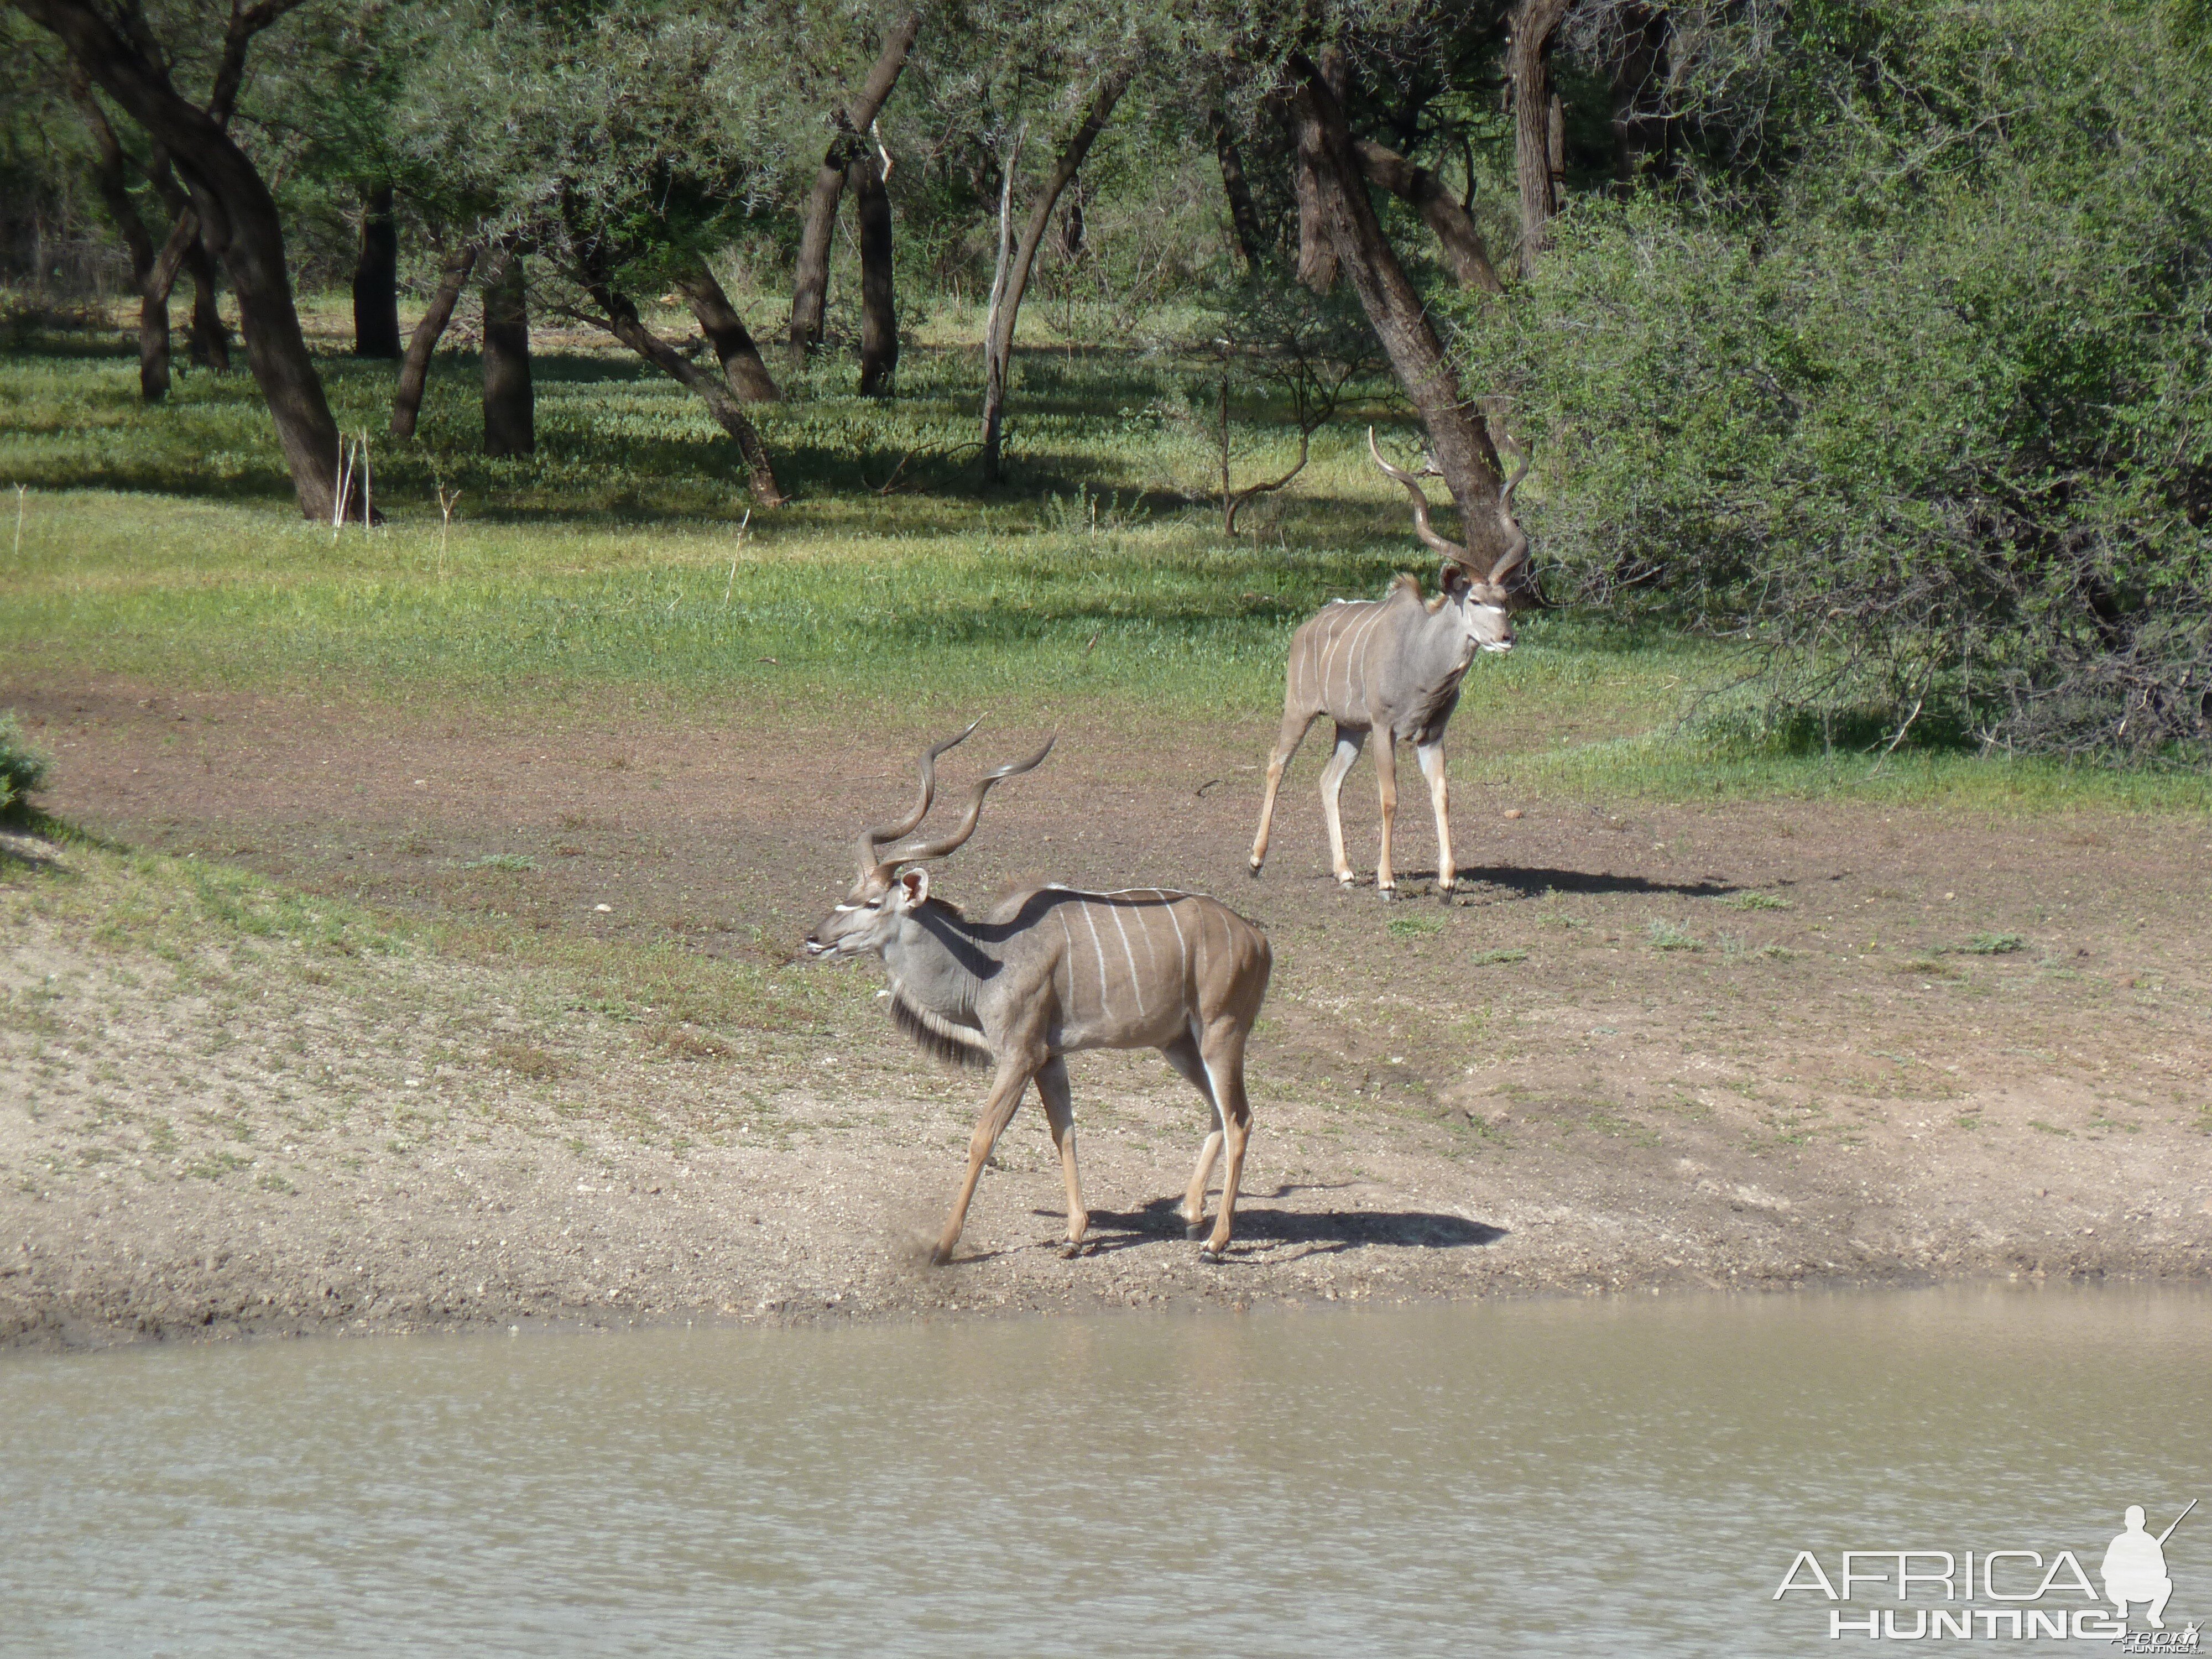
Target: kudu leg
{"x": 1184, "y": 1056}
{"x": 1286, "y": 744}
{"x": 1431, "y": 756}
{"x": 1059, "y": 1112}
{"x": 1386, "y": 786}
{"x": 1225, "y": 1069}
{"x": 1348, "y": 745}
{"x": 1005, "y": 1094}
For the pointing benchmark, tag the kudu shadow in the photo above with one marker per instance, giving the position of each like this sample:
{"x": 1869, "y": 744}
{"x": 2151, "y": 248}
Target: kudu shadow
{"x": 1324, "y": 1232}
{"x": 1536, "y": 883}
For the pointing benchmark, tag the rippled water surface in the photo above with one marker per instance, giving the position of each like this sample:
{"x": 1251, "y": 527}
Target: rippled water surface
{"x": 1618, "y": 1477}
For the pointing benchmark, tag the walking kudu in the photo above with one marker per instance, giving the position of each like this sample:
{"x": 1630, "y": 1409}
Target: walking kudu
{"x": 1392, "y": 666}
{"x": 1051, "y": 971}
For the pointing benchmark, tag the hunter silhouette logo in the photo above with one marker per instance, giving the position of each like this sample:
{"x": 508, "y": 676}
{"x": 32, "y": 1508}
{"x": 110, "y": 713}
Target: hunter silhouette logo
{"x": 2003, "y": 1594}
{"x": 2135, "y": 1566}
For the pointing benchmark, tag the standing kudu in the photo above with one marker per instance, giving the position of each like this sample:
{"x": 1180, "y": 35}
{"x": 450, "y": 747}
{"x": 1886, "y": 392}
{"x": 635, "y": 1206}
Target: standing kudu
{"x": 1051, "y": 971}
{"x": 1392, "y": 666}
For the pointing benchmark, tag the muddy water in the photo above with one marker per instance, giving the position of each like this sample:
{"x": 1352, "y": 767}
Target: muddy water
{"x": 1625, "y": 1477}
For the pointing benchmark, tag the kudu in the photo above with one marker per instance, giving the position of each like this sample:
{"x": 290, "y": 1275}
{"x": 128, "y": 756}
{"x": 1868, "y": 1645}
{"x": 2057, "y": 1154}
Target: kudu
{"x": 1392, "y": 666}
{"x": 1050, "y": 972}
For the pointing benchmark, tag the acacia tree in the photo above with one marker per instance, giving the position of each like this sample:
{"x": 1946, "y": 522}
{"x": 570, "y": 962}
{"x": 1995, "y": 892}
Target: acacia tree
{"x": 239, "y": 219}
{"x": 614, "y": 145}
{"x": 1344, "y": 220}
{"x": 1013, "y": 276}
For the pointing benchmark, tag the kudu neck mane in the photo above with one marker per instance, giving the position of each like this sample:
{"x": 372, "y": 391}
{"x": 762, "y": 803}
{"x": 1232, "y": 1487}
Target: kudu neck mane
{"x": 934, "y": 1001}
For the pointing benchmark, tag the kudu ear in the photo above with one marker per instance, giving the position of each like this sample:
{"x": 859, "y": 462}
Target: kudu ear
{"x": 913, "y": 888}
{"x": 1454, "y": 579}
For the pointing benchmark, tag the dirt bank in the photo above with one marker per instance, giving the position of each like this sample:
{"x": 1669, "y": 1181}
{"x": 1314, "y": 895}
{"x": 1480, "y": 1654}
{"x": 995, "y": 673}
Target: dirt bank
{"x": 1730, "y": 1045}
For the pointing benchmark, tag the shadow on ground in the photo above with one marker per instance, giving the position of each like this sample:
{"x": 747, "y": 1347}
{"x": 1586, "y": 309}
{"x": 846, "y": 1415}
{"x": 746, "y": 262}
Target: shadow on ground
{"x": 1326, "y": 1231}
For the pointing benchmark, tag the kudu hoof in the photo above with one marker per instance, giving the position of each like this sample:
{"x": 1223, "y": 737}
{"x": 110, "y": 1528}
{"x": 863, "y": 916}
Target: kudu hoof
{"x": 1211, "y": 1256}
{"x": 1388, "y": 895}
{"x": 1255, "y": 871}
{"x": 1194, "y": 1230}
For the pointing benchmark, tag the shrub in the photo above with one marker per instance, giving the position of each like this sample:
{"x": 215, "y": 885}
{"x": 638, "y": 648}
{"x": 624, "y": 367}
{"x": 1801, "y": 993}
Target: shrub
{"x": 22, "y": 769}
{"x": 1916, "y": 402}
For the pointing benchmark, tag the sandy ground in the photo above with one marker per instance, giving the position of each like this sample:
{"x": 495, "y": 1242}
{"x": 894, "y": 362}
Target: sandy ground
{"x": 1735, "y": 1045}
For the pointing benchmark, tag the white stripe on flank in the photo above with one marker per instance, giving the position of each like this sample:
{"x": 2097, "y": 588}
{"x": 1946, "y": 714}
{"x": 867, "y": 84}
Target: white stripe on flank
{"x": 1060, "y": 914}
{"x": 1361, "y": 652}
{"x": 1135, "y": 983}
{"x": 1104, "y": 1002}
{"x": 1335, "y": 644}
{"x": 1182, "y": 958}
{"x": 1151, "y": 955}
{"x": 1352, "y": 650}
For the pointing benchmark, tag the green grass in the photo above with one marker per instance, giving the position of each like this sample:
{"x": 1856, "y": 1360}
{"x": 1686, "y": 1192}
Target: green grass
{"x": 162, "y": 544}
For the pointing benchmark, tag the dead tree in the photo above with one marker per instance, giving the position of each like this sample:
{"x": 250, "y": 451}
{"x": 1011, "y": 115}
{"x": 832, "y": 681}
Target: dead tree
{"x": 811, "y": 281}
{"x": 1007, "y": 295}
{"x": 1344, "y": 220}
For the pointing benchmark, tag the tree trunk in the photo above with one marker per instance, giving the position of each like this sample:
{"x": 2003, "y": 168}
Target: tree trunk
{"x": 727, "y": 332}
{"x": 999, "y": 341}
{"x": 238, "y": 224}
{"x": 1642, "y": 136}
{"x": 625, "y": 324}
{"x": 111, "y": 177}
{"x": 811, "y": 281}
{"x": 376, "y": 278}
{"x": 1243, "y": 216}
{"x": 1316, "y": 254}
{"x": 1528, "y": 64}
{"x": 510, "y": 402}
{"x": 879, "y": 342}
{"x": 1455, "y": 227}
{"x": 210, "y": 343}
{"x": 415, "y": 371}
{"x": 1347, "y": 221}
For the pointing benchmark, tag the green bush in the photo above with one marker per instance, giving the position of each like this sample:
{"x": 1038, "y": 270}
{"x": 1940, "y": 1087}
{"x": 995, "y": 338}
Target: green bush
{"x": 1914, "y": 397}
{"x": 22, "y": 769}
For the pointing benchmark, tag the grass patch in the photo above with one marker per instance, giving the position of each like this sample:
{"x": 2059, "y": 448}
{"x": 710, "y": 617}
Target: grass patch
{"x": 1756, "y": 902}
{"x": 1928, "y": 968}
{"x": 503, "y": 861}
{"x": 1993, "y": 945}
{"x": 1672, "y": 936}
{"x": 1420, "y": 924}
{"x": 1495, "y": 959}
{"x": 161, "y": 543}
